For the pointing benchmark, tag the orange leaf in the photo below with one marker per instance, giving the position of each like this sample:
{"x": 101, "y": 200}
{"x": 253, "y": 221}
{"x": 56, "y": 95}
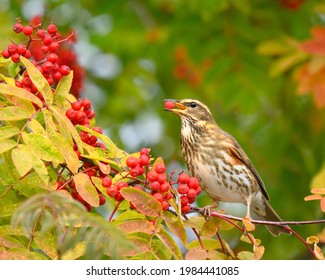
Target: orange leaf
{"x": 136, "y": 226}
{"x": 142, "y": 201}
{"x": 86, "y": 189}
{"x": 318, "y": 191}
{"x": 104, "y": 168}
{"x": 318, "y": 252}
{"x": 197, "y": 254}
{"x": 313, "y": 197}
{"x": 322, "y": 204}
{"x": 258, "y": 252}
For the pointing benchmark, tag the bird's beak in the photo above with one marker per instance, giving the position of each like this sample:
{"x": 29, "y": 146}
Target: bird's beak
{"x": 179, "y": 107}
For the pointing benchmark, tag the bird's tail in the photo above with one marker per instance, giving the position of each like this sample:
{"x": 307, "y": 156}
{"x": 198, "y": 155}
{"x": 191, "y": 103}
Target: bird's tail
{"x": 271, "y": 215}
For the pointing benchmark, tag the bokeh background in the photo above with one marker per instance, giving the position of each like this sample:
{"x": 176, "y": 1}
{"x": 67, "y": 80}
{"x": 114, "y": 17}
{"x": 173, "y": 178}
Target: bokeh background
{"x": 243, "y": 58}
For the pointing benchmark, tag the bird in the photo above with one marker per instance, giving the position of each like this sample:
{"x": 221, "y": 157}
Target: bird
{"x": 222, "y": 167}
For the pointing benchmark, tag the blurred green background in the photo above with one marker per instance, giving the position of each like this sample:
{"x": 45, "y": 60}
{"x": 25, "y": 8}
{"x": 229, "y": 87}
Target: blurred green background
{"x": 137, "y": 53}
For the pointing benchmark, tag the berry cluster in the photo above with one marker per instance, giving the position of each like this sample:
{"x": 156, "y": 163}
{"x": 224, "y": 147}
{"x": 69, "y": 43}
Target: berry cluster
{"x": 189, "y": 188}
{"x": 49, "y": 66}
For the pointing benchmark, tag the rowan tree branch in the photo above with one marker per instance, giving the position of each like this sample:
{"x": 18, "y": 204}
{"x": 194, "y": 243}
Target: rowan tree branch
{"x": 260, "y": 222}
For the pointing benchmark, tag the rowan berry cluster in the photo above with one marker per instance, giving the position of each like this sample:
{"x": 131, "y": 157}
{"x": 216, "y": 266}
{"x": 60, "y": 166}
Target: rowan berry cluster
{"x": 189, "y": 188}
{"x": 50, "y": 39}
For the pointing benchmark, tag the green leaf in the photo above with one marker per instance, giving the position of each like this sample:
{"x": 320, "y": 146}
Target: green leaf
{"x": 170, "y": 243}
{"x": 43, "y": 147}
{"x": 50, "y": 125}
{"x": 10, "y": 242}
{"x": 208, "y": 243}
{"x": 210, "y": 227}
{"x": 62, "y": 89}
{"x": 86, "y": 189}
{"x": 36, "y": 127}
{"x": 159, "y": 250}
{"x": 21, "y": 254}
{"x": 7, "y": 210}
{"x": 142, "y": 201}
{"x": 11, "y": 90}
{"x": 175, "y": 224}
{"x": 66, "y": 150}
{"x": 245, "y": 255}
{"x": 6, "y": 145}
{"x": 47, "y": 243}
{"x": 22, "y": 159}
{"x": 8, "y": 131}
{"x": 66, "y": 124}
{"x": 37, "y": 163}
{"x": 38, "y": 80}
{"x": 13, "y": 113}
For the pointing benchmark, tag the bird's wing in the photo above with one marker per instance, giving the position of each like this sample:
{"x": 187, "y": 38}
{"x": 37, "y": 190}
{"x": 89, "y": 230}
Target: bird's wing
{"x": 237, "y": 152}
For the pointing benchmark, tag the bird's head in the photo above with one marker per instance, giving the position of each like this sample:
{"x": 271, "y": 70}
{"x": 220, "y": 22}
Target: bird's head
{"x": 191, "y": 110}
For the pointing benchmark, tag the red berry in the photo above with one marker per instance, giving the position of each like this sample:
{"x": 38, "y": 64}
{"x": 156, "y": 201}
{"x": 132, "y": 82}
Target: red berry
{"x": 165, "y": 187}
{"x": 27, "y": 82}
{"x": 80, "y": 117}
{"x": 90, "y": 114}
{"x": 132, "y": 162}
{"x": 112, "y": 191}
{"x": 106, "y": 182}
{"x": 28, "y": 30}
{"x": 168, "y": 196}
{"x": 183, "y": 178}
{"x": 91, "y": 173}
{"x": 47, "y": 39}
{"x": 53, "y": 46}
{"x": 86, "y": 103}
{"x": 182, "y": 189}
{"x": 121, "y": 185}
{"x": 118, "y": 197}
{"x": 5, "y": 54}
{"x": 21, "y": 49}
{"x": 193, "y": 183}
{"x": 169, "y": 104}
{"x": 84, "y": 136}
{"x": 98, "y": 130}
{"x": 140, "y": 170}
{"x": 40, "y": 33}
{"x": 134, "y": 172}
{"x": 160, "y": 168}
{"x": 71, "y": 114}
{"x": 45, "y": 49}
{"x": 102, "y": 199}
{"x": 52, "y": 29}
{"x": 185, "y": 209}
{"x": 27, "y": 54}
{"x": 76, "y": 105}
{"x": 52, "y": 57}
{"x": 184, "y": 200}
{"x": 158, "y": 196}
{"x": 15, "y": 57}
{"x": 164, "y": 205}
{"x": 191, "y": 194}
{"x": 47, "y": 66}
{"x": 152, "y": 176}
{"x": 92, "y": 140}
{"x": 145, "y": 151}
{"x": 50, "y": 80}
{"x": 143, "y": 160}
{"x": 65, "y": 70}
{"x": 161, "y": 178}
{"x": 18, "y": 27}
{"x": 155, "y": 186}
{"x": 191, "y": 199}
{"x": 57, "y": 76}
{"x": 18, "y": 84}
{"x": 198, "y": 190}
{"x": 12, "y": 48}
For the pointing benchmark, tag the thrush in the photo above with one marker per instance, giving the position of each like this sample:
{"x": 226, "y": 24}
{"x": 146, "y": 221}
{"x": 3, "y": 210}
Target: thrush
{"x": 215, "y": 158}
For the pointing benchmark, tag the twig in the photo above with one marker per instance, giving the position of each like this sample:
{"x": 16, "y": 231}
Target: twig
{"x": 196, "y": 233}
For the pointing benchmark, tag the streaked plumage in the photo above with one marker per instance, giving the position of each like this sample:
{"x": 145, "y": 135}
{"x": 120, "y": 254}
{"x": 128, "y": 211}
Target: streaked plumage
{"x": 221, "y": 165}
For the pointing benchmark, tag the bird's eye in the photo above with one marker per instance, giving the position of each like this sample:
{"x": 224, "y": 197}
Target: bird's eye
{"x": 193, "y": 104}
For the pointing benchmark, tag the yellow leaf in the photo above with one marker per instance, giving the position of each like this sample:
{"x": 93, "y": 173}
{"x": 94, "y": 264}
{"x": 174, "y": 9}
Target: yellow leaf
{"x": 170, "y": 243}
{"x": 175, "y": 224}
{"x": 248, "y": 224}
{"x": 22, "y": 160}
{"x": 38, "y": 80}
{"x": 318, "y": 182}
{"x": 245, "y": 255}
{"x": 62, "y": 89}
{"x": 210, "y": 227}
{"x": 312, "y": 239}
{"x": 6, "y": 145}
{"x": 318, "y": 252}
{"x": 258, "y": 252}
{"x": 13, "y": 113}
{"x": 86, "y": 189}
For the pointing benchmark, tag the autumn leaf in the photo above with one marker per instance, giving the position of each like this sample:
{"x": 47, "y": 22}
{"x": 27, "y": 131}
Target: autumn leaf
{"x": 86, "y": 189}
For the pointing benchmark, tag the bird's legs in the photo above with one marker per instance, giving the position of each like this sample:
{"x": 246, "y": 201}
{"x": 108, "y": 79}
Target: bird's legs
{"x": 247, "y": 224}
{"x": 206, "y": 210}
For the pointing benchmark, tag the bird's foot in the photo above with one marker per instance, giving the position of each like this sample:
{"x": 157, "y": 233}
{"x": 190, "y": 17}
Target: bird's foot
{"x": 206, "y": 211}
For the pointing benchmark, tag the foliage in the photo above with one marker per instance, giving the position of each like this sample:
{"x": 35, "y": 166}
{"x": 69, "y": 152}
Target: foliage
{"x": 172, "y": 49}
